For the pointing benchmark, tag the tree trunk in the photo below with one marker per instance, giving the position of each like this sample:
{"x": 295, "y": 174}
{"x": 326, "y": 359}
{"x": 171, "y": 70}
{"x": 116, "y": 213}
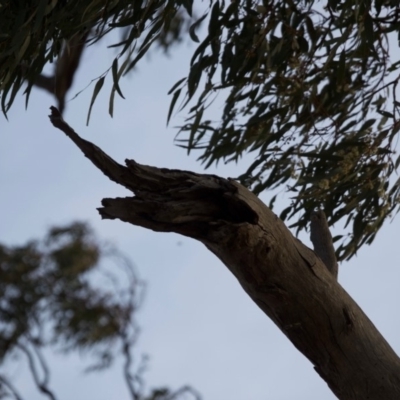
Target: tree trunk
{"x": 282, "y": 276}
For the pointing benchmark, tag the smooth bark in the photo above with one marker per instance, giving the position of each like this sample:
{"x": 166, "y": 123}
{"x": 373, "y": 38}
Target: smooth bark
{"x": 282, "y": 276}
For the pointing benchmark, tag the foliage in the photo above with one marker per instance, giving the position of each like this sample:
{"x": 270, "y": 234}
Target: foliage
{"x": 32, "y": 34}
{"x": 48, "y": 297}
{"x": 309, "y": 96}
{"x": 309, "y": 88}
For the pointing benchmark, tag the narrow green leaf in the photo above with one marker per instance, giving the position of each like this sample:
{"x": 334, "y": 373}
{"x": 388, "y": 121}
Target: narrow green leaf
{"x": 114, "y": 70}
{"x": 27, "y": 93}
{"x": 153, "y": 34}
{"x": 284, "y": 213}
{"x": 341, "y": 72}
{"x": 172, "y": 105}
{"x": 188, "y": 4}
{"x": 311, "y": 30}
{"x": 22, "y": 50}
{"x": 176, "y": 85}
{"x": 272, "y": 202}
{"x": 213, "y": 26}
{"x": 6, "y": 86}
{"x": 96, "y": 90}
{"x": 386, "y": 113}
{"x": 194, "y": 78}
{"x": 346, "y": 128}
{"x": 367, "y": 124}
{"x": 193, "y": 27}
{"x": 200, "y": 50}
{"x": 369, "y": 29}
{"x": 336, "y": 238}
{"x": 40, "y": 10}
{"x": 193, "y": 130}
{"x": 140, "y": 54}
{"x": 133, "y": 34}
{"x": 111, "y": 104}
{"x": 15, "y": 89}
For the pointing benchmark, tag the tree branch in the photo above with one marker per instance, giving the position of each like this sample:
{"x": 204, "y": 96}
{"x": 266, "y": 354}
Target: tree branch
{"x": 322, "y": 241}
{"x": 7, "y": 385}
{"x": 282, "y": 276}
{"x": 41, "y": 384}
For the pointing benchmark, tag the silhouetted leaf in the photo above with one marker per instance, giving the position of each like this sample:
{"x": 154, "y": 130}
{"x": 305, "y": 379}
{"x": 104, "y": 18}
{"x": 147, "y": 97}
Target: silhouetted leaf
{"x": 194, "y": 26}
{"x": 172, "y": 105}
{"x": 96, "y": 90}
{"x": 114, "y": 70}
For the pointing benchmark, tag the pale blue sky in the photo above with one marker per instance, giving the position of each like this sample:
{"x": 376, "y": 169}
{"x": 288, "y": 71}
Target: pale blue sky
{"x": 198, "y": 325}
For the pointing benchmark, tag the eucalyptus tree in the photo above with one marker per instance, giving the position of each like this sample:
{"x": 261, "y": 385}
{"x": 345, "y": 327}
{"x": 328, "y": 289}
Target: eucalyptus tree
{"x": 309, "y": 88}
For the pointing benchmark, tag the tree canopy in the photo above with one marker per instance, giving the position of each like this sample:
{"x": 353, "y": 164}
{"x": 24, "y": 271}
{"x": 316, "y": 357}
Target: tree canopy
{"x": 72, "y": 292}
{"x": 309, "y": 88}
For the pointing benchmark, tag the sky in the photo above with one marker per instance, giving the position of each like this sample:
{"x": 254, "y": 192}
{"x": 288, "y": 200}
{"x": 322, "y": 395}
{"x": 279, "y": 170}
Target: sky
{"x": 197, "y": 324}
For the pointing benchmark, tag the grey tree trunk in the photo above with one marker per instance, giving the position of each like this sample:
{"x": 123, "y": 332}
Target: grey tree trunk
{"x": 282, "y": 276}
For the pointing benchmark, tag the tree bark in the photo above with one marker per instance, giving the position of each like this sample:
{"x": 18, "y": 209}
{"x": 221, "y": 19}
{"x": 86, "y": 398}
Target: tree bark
{"x": 282, "y": 276}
